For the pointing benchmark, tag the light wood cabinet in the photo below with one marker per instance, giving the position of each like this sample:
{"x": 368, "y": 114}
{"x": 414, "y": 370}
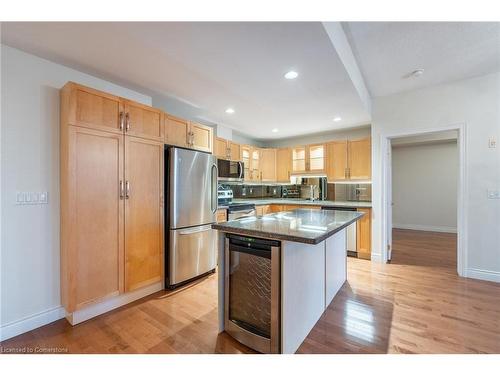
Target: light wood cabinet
{"x": 201, "y": 137}
{"x": 246, "y": 154}
{"x": 176, "y": 131}
{"x": 143, "y": 212}
{"x": 98, "y": 110}
{"x": 221, "y": 215}
{"x": 183, "y": 133}
{"x": 360, "y": 159}
{"x": 234, "y": 151}
{"x": 363, "y": 234}
{"x": 92, "y": 216}
{"x": 143, "y": 121}
{"x": 255, "y": 164}
{"x": 111, "y": 196}
{"x": 263, "y": 210}
{"x": 349, "y": 160}
{"x": 337, "y": 161}
{"x": 283, "y": 164}
{"x": 220, "y": 148}
{"x": 310, "y": 159}
{"x": 91, "y": 108}
{"x": 299, "y": 162}
{"x": 277, "y": 207}
{"x": 225, "y": 149}
{"x": 268, "y": 164}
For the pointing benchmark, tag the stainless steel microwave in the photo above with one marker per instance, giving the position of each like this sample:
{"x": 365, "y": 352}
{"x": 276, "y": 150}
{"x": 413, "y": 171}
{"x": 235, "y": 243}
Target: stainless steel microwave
{"x": 230, "y": 170}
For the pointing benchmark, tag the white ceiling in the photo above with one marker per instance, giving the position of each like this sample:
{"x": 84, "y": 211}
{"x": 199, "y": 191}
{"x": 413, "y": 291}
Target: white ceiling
{"x": 213, "y": 66}
{"x": 448, "y": 51}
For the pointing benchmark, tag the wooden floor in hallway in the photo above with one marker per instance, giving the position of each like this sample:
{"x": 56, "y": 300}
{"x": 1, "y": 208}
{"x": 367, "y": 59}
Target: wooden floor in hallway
{"x": 416, "y": 304}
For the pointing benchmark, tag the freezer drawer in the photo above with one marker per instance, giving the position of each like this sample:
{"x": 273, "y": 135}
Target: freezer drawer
{"x": 192, "y": 252}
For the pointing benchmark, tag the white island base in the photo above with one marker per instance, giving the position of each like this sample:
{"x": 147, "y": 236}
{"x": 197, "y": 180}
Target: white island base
{"x": 311, "y": 275}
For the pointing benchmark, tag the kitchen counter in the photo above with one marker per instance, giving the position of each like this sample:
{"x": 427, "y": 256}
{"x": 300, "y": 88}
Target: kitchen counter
{"x": 300, "y": 225}
{"x": 293, "y": 201}
{"x": 312, "y": 267}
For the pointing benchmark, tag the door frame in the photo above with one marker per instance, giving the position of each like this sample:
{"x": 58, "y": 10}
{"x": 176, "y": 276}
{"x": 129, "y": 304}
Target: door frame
{"x": 462, "y": 189}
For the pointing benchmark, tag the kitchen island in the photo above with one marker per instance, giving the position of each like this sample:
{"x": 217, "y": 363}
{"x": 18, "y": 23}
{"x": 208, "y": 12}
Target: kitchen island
{"x": 278, "y": 273}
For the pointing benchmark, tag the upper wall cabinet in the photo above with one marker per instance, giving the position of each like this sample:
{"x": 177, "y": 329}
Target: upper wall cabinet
{"x": 225, "y": 149}
{"x": 337, "y": 161}
{"x": 176, "y": 131}
{"x": 245, "y": 152}
{"x": 143, "y": 121}
{"x": 201, "y": 137}
{"x": 221, "y": 150}
{"x": 183, "y": 133}
{"x": 102, "y": 111}
{"x": 308, "y": 159}
{"x": 90, "y": 108}
{"x": 268, "y": 164}
{"x": 349, "y": 160}
{"x": 283, "y": 164}
{"x": 360, "y": 159}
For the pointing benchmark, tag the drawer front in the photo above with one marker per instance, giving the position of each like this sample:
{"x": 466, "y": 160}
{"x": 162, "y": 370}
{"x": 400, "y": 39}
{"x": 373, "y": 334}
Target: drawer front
{"x": 192, "y": 252}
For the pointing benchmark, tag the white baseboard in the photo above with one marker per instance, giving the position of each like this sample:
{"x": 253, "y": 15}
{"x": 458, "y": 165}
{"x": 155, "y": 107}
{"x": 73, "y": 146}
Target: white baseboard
{"x": 376, "y": 258}
{"x": 31, "y": 322}
{"x": 427, "y": 228}
{"x": 475, "y": 273}
{"x": 45, "y": 317}
{"x": 112, "y": 303}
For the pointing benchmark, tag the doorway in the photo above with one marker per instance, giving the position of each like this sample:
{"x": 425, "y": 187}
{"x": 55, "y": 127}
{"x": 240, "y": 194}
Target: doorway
{"x": 423, "y": 198}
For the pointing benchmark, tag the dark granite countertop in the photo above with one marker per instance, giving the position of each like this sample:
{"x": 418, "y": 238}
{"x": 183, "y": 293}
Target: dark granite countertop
{"x": 292, "y": 201}
{"x": 301, "y": 225}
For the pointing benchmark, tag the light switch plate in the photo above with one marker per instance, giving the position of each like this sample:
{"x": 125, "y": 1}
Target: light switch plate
{"x": 32, "y": 197}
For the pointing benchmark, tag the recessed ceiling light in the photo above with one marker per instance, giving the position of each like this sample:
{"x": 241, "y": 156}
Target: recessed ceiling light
{"x": 230, "y": 111}
{"x": 337, "y": 119}
{"x": 275, "y": 130}
{"x": 291, "y": 74}
{"x": 415, "y": 74}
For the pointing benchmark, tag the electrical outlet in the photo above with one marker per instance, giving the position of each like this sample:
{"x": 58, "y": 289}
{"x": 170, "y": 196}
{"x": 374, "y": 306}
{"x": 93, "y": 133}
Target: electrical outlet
{"x": 493, "y": 194}
{"x": 492, "y": 142}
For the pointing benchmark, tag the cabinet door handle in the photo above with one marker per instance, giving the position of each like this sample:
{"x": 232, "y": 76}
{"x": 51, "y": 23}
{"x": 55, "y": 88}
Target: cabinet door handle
{"x": 121, "y": 189}
{"x": 127, "y": 189}
{"x": 127, "y": 121}
{"x": 121, "y": 120}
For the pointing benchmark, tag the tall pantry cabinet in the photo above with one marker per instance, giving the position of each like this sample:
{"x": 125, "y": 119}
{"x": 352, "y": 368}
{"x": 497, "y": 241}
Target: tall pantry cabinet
{"x": 111, "y": 196}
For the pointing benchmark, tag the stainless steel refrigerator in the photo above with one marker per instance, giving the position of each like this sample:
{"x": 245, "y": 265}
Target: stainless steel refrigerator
{"x": 190, "y": 210}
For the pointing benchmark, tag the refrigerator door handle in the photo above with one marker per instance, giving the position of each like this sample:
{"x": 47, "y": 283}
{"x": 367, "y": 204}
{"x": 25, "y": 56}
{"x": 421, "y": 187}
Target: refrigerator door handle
{"x": 195, "y": 230}
{"x": 214, "y": 187}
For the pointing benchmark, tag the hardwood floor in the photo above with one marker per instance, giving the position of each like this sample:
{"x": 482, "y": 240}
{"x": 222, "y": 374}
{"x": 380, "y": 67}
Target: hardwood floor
{"x": 416, "y": 304}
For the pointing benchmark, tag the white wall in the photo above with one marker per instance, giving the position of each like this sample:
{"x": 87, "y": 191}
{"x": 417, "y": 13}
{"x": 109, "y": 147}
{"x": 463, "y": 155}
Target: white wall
{"x": 476, "y": 103}
{"x": 30, "y": 162}
{"x": 424, "y": 186}
{"x": 348, "y": 133}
